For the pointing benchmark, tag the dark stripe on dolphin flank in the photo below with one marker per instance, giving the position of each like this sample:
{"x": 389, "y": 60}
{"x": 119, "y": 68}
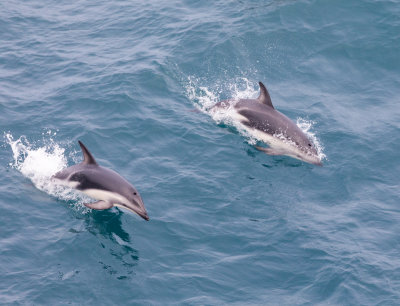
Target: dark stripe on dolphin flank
{"x": 86, "y": 183}
{"x": 256, "y": 121}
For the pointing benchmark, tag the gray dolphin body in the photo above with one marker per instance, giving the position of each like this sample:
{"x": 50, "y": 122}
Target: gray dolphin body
{"x": 261, "y": 119}
{"x": 102, "y": 184}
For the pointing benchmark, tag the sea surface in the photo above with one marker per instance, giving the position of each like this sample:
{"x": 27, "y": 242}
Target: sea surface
{"x": 135, "y": 81}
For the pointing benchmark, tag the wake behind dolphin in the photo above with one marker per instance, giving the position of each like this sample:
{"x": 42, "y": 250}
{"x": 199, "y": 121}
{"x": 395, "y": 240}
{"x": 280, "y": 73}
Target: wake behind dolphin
{"x": 260, "y": 119}
{"x": 102, "y": 184}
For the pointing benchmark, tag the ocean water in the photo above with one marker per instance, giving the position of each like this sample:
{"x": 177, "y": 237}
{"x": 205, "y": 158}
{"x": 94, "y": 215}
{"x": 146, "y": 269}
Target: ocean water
{"x": 134, "y": 80}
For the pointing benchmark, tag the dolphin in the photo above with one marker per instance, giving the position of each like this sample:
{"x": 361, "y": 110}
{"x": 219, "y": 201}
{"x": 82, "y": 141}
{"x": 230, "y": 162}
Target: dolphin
{"x": 102, "y": 184}
{"x": 260, "y": 119}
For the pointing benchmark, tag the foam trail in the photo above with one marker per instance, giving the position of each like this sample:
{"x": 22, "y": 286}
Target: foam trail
{"x": 39, "y": 163}
{"x": 205, "y": 98}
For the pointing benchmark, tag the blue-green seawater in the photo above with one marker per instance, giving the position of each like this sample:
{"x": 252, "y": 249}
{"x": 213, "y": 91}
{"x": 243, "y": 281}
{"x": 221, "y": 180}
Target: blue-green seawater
{"x": 228, "y": 224}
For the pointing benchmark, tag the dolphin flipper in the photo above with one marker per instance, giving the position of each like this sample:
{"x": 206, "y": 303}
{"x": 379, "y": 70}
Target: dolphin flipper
{"x": 99, "y": 205}
{"x": 269, "y": 151}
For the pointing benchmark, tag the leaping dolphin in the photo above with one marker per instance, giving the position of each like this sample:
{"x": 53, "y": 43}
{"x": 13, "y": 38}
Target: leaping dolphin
{"x": 102, "y": 184}
{"x": 261, "y": 119}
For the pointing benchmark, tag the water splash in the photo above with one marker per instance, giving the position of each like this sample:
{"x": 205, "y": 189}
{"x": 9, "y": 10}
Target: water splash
{"x": 38, "y": 162}
{"x": 306, "y": 126}
{"x": 205, "y": 98}
{"x": 202, "y": 97}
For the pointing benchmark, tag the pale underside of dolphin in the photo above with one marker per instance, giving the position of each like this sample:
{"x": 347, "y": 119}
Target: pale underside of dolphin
{"x": 260, "y": 119}
{"x": 102, "y": 184}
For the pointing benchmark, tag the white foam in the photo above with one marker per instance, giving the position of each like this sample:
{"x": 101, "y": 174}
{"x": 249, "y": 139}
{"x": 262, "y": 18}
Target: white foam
{"x": 202, "y": 97}
{"x": 38, "y": 162}
{"x": 306, "y": 126}
{"x": 205, "y": 98}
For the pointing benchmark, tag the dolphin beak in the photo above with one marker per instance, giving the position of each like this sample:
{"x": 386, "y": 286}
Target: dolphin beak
{"x": 138, "y": 208}
{"x": 144, "y": 215}
{"x": 140, "y": 212}
{"x": 318, "y": 164}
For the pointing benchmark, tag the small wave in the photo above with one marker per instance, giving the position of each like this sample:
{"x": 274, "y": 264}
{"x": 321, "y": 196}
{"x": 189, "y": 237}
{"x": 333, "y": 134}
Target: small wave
{"x": 204, "y": 98}
{"x": 38, "y": 162}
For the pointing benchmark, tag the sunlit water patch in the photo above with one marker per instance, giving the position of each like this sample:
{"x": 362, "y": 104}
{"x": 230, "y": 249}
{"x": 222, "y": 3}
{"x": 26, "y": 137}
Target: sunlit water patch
{"x": 39, "y": 161}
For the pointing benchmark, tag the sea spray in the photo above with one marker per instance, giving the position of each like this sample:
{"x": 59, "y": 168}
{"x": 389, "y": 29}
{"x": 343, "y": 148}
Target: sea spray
{"x": 38, "y": 162}
{"x": 306, "y": 126}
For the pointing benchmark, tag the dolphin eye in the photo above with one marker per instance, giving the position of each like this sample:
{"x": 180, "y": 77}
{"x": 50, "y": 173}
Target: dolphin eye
{"x": 309, "y": 144}
{"x": 135, "y": 193}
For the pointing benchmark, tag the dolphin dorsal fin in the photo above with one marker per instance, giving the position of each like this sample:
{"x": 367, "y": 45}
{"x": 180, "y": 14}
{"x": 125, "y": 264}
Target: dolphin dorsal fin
{"x": 264, "y": 97}
{"x": 87, "y": 156}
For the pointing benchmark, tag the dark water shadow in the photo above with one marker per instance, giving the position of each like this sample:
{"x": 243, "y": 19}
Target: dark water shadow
{"x": 116, "y": 256}
{"x": 106, "y": 223}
